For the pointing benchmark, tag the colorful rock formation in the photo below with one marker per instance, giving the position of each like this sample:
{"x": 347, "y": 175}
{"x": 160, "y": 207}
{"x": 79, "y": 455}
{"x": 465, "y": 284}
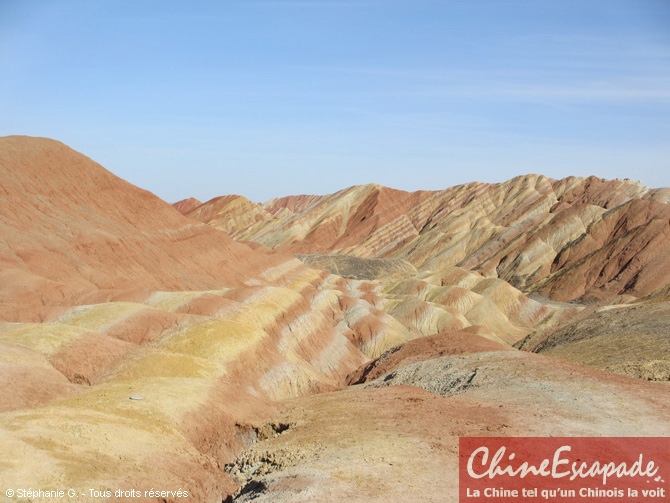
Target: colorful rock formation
{"x": 142, "y": 349}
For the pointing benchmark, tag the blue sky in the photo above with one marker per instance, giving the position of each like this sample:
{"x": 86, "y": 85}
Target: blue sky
{"x": 274, "y": 97}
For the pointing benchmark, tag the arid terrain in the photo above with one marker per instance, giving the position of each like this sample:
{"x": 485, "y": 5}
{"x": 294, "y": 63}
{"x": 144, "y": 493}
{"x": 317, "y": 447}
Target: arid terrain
{"x": 316, "y": 348}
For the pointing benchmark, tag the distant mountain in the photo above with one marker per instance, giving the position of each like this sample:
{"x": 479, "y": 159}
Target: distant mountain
{"x": 576, "y": 238}
{"x": 186, "y": 205}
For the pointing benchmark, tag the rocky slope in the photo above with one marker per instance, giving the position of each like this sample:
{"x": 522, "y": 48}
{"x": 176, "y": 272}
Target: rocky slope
{"x": 349, "y": 266}
{"x": 632, "y": 340}
{"x": 394, "y": 437}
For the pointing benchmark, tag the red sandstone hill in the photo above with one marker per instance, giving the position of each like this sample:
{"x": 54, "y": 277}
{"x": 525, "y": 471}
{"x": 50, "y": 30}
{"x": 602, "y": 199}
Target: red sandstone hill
{"x": 69, "y": 228}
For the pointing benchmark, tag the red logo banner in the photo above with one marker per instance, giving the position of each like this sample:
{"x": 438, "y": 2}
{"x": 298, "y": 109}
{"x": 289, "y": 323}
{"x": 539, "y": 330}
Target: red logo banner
{"x": 564, "y": 469}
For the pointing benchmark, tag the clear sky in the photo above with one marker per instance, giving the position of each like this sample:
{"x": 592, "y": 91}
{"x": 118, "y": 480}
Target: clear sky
{"x": 274, "y": 97}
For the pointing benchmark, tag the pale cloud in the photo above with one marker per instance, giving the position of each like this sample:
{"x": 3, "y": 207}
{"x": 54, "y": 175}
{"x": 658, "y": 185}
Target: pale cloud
{"x": 306, "y": 3}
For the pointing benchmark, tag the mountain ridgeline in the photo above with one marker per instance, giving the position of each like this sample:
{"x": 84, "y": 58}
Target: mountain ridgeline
{"x": 576, "y": 238}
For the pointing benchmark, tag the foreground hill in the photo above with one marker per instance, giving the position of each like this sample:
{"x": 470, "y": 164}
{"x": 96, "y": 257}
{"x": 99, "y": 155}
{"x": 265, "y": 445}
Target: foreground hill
{"x": 576, "y": 238}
